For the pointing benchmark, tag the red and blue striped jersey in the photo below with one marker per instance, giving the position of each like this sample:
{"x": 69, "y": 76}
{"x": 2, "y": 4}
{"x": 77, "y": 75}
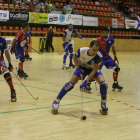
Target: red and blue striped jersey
{"x": 105, "y": 45}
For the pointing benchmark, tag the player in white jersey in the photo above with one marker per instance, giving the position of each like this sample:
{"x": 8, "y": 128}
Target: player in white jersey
{"x": 87, "y": 61}
{"x": 67, "y": 37}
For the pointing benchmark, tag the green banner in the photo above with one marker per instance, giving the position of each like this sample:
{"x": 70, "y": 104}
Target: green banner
{"x": 41, "y": 18}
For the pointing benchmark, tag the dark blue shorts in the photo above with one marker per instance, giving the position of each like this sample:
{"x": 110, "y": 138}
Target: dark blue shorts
{"x": 87, "y": 72}
{"x": 19, "y": 52}
{"x": 69, "y": 47}
{"x": 108, "y": 62}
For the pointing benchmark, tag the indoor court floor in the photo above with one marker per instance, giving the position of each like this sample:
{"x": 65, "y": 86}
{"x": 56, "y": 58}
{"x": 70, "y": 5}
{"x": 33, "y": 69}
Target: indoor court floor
{"x": 28, "y": 119}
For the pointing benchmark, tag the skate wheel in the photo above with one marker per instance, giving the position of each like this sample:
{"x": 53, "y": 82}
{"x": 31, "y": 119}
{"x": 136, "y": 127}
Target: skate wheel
{"x": 54, "y": 111}
{"x": 13, "y": 99}
{"x": 67, "y": 68}
{"x": 25, "y": 78}
{"x": 62, "y": 68}
{"x": 20, "y": 77}
{"x": 113, "y": 89}
{"x": 119, "y": 90}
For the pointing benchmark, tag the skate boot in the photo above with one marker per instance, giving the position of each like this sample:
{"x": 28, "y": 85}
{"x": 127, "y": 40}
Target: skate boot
{"x": 22, "y": 74}
{"x": 88, "y": 89}
{"x": 116, "y": 86}
{"x": 13, "y": 95}
{"x": 72, "y": 66}
{"x": 65, "y": 66}
{"x": 104, "y": 108}
{"x": 55, "y": 106}
{"x": 27, "y": 57}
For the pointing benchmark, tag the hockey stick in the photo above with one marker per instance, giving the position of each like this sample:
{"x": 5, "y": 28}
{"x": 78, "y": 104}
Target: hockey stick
{"x": 15, "y": 63}
{"x": 36, "y": 51}
{"x": 64, "y": 49}
{"x": 26, "y": 87}
{"x": 82, "y": 117}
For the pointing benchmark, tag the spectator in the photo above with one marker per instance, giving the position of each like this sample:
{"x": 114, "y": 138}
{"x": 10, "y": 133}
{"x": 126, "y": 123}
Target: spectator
{"x": 64, "y": 9}
{"x": 67, "y": 2}
{"x": 49, "y": 7}
{"x": 31, "y": 7}
{"x": 126, "y": 10}
{"x": 121, "y": 6}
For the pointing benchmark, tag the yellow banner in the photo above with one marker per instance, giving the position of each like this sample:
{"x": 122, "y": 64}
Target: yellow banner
{"x": 41, "y": 18}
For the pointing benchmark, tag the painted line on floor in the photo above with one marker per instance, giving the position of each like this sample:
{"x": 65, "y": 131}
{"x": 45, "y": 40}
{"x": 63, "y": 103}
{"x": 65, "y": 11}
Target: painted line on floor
{"x": 44, "y": 107}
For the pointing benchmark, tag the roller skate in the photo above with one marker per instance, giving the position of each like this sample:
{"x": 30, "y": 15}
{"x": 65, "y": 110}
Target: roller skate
{"x": 13, "y": 95}
{"x": 27, "y": 57}
{"x": 88, "y": 89}
{"x": 65, "y": 66}
{"x": 22, "y": 74}
{"x": 55, "y": 106}
{"x": 72, "y": 66}
{"x": 116, "y": 86}
{"x": 104, "y": 108}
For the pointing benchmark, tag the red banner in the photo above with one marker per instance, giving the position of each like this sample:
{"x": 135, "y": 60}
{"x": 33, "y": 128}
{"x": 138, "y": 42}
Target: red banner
{"x": 103, "y": 21}
{"x": 120, "y": 23}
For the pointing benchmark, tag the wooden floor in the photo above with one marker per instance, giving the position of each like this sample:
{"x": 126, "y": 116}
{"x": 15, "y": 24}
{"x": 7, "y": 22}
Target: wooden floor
{"x": 28, "y": 119}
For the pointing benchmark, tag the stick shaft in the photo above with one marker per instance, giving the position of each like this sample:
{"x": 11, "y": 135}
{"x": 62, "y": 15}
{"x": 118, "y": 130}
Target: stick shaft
{"x": 81, "y": 97}
{"x": 24, "y": 86}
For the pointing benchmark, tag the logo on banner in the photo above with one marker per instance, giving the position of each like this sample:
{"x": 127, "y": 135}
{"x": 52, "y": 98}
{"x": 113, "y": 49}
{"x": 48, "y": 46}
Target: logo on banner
{"x": 62, "y": 18}
{"x": 68, "y": 18}
{"x": 18, "y": 16}
{"x": 53, "y": 18}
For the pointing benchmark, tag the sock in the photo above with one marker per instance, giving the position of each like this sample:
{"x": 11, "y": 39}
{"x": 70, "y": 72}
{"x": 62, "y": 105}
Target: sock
{"x": 8, "y": 79}
{"x": 71, "y": 56}
{"x": 64, "y": 59}
{"x": 26, "y": 53}
{"x": 20, "y": 66}
{"x": 103, "y": 90}
{"x": 67, "y": 87}
{"x": 115, "y": 76}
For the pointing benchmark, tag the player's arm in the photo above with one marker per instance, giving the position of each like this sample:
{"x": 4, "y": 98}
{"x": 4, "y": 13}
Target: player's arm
{"x": 114, "y": 50}
{"x": 96, "y": 67}
{"x": 13, "y": 43}
{"x": 77, "y": 34}
{"x": 75, "y": 61}
{"x": 64, "y": 36}
{"x": 7, "y": 54}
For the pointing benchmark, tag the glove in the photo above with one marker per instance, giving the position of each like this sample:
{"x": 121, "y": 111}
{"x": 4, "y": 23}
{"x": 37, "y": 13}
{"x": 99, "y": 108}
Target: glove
{"x": 83, "y": 86}
{"x": 80, "y": 71}
{"x": 116, "y": 61}
{"x": 10, "y": 67}
{"x": 84, "y": 39}
{"x": 12, "y": 51}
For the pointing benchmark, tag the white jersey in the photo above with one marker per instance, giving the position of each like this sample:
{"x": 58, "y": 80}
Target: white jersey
{"x": 86, "y": 61}
{"x": 69, "y": 34}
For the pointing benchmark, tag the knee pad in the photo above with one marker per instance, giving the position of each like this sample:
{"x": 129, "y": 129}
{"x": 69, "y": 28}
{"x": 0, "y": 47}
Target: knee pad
{"x": 69, "y": 86}
{"x": 104, "y": 85}
{"x": 66, "y": 53}
{"x": 117, "y": 69}
{"x": 7, "y": 76}
{"x": 22, "y": 59}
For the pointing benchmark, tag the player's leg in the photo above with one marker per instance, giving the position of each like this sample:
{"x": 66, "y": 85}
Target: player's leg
{"x": 51, "y": 45}
{"x": 65, "y": 57}
{"x": 19, "y": 53}
{"x": 71, "y": 56}
{"x": 103, "y": 91}
{"x": 26, "y": 56}
{"x": 110, "y": 64}
{"x": 47, "y": 45}
{"x": 66, "y": 88}
{"x": 7, "y": 76}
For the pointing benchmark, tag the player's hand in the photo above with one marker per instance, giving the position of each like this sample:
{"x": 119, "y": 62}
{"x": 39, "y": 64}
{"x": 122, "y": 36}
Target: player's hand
{"x": 83, "y": 86}
{"x": 84, "y": 39}
{"x": 12, "y": 51}
{"x": 10, "y": 67}
{"x": 80, "y": 71}
{"x": 116, "y": 61}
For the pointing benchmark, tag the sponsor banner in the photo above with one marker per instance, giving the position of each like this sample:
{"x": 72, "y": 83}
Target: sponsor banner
{"x": 138, "y": 23}
{"x": 4, "y": 15}
{"x": 103, "y": 21}
{"x": 42, "y": 45}
{"x": 117, "y": 23}
{"x": 73, "y": 19}
{"x": 19, "y": 16}
{"x": 133, "y": 24}
{"x": 90, "y": 21}
{"x": 41, "y": 18}
{"x": 56, "y": 19}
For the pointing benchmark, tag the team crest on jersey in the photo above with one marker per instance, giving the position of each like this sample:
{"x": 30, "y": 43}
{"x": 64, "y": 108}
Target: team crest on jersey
{"x": 109, "y": 41}
{"x": 0, "y": 44}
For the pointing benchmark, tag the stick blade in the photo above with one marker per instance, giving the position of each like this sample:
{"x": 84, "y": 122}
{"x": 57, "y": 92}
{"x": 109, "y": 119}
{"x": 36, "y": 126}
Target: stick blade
{"x": 36, "y": 98}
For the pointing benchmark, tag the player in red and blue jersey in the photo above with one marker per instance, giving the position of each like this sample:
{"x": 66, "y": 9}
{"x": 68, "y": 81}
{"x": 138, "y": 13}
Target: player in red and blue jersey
{"x": 17, "y": 47}
{"x": 27, "y": 57}
{"x": 4, "y": 69}
{"x": 106, "y": 42}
